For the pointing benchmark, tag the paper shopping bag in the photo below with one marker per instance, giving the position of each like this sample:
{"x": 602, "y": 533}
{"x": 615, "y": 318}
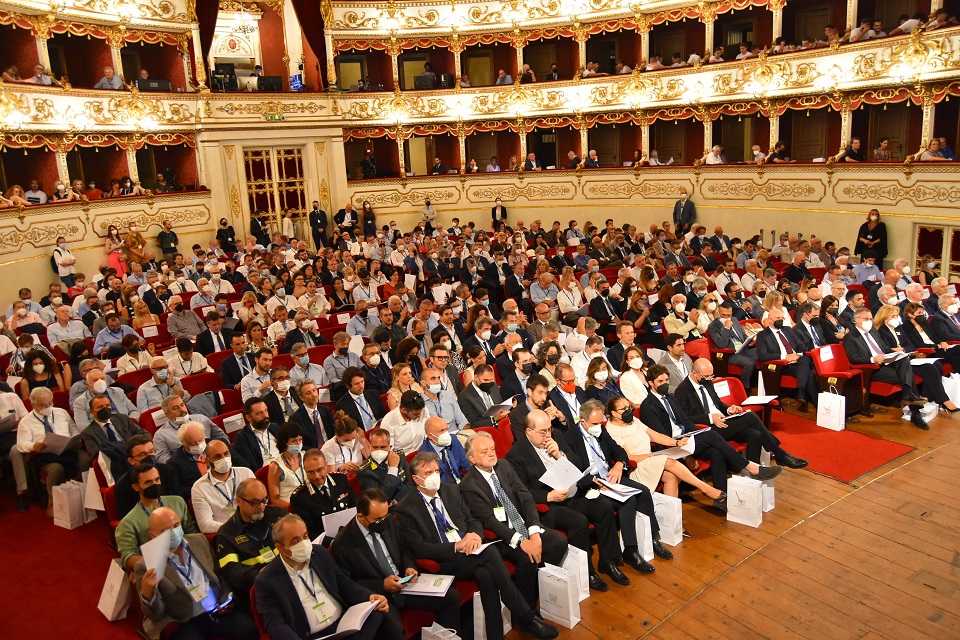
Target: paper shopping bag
{"x": 68, "y": 505}
{"x": 669, "y": 519}
{"x": 115, "y": 596}
{"x": 578, "y": 564}
{"x": 645, "y": 536}
{"x": 928, "y": 411}
{"x": 436, "y": 632}
{"x": 951, "y": 384}
{"x": 769, "y": 495}
{"x": 745, "y": 501}
{"x": 479, "y": 619}
{"x": 559, "y": 596}
{"x": 831, "y": 410}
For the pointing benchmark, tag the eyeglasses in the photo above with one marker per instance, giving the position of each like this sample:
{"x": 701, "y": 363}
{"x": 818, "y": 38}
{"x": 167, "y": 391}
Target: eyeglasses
{"x": 257, "y": 503}
{"x": 441, "y": 357}
{"x": 541, "y": 432}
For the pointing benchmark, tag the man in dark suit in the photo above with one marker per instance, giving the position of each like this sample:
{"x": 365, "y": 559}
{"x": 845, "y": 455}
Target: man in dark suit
{"x": 537, "y": 399}
{"x": 290, "y": 590}
{"x": 592, "y": 445}
{"x": 515, "y": 381}
{"x": 684, "y": 213}
{"x": 315, "y": 419}
{"x": 480, "y": 395}
{"x": 257, "y": 441}
{"x": 864, "y": 345}
{"x": 346, "y": 219}
{"x": 438, "y": 167}
{"x": 499, "y": 500}
{"x": 778, "y": 342}
{"x": 386, "y": 469}
{"x": 855, "y": 302}
{"x": 561, "y": 259}
{"x": 944, "y": 324}
{"x": 661, "y": 411}
{"x": 517, "y": 282}
{"x": 719, "y": 242}
{"x": 607, "y": 309}
{"x": 237, "y": 365}
{"x": 626, "y": 335}
{"x": 436, "y": 523}
{"x": 453, "y": 459}
{"x": 700, "y": 402}
{"x": 569, "y": 511}
{"x": 303, "y": 334}
{"x": 318, "y": 225}
{"x": 797, "y": 271}
{"x": 139, "y": 449}
{"x": 282, "y": 402}
{"x": 107, "y": 427}
{"x": 726, "y": 333}
{"x": 532, "y": 164}
{"x": 214, "y": 338}
{"x": 361, "y": 404}
{"x": 805, "y": 327}
{"x": 258, "y": 228}
{"x": 567, "y": 397}
{"x": 485, "y": 340}
{"x": 322, "y": 494}
{"x": 188, "y": 460}
{"x": 368, "y": 549}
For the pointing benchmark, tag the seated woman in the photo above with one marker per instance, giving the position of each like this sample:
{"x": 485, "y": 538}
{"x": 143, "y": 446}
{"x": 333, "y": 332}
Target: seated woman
{"x": 403, "y": 380}
{"x": 775, "y": 300}
{"x": 408, "y": 352}
{"x": 914, "y": 329}
{"x": 476, "y": 356}
{"x": 709, "y": 306}
{"x": 40, "y": 370}
{"x": 339, "y": 297}
{"x": 549, "y": 357}
{"x": 830, "y": 327}
{"x": 638, "y": 312}
{"x": 14, "y": 196}
{"x": 135, "y": 356}
{"x": 599, "y": 384}
{"x": 142, "y": 316}
{"x": 349, "y": 448}
{"x": 252, "y": 311}
{"x": 286, "y": 473}
{"x": 685, "y": 324}
{"x": 635, "y": 438}
{"x": 258, "y": 339}
{"x": 633, "y": 381}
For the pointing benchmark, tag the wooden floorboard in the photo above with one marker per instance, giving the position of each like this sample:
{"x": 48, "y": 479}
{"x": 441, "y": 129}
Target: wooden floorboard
{"x": 875, "y": 559}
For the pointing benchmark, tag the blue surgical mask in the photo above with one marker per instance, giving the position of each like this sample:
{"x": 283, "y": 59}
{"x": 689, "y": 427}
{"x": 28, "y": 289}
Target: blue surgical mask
{"x": 485, "y": 303}
{"x": 163, "y": 373}
{"x": 221, "y": 307}
{"x": 304, "y": 361}
{"x": 512, "y": 327}
{"x": 176, "y": 536}
{"x": 294, "y": 448}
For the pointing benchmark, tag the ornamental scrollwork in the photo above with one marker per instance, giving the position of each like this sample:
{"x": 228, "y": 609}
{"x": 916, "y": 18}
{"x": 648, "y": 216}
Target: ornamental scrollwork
{"x": 415, "y": 197}
{"x": 270, "y": 108}
{"x": 179, "y": 217}
{"x": 37, "y": 235}
{"x": 646, "y": 189}
{"x": 354, "y": 20}
{"x": 429, "y": 18}
{"x": 160, "y": 9}
{"x": 133, "y": 108}
{"x": 397, "y": 105}
{"x": 920, "y": 195}
{"x": 805, "y": 191}
{"x": 532, "y": 191}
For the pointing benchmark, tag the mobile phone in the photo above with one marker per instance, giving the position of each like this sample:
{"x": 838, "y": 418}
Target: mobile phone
{"x": 406, "y": 580}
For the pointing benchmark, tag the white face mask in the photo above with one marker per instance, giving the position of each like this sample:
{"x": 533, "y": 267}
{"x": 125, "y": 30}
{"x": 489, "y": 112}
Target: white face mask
{"x": 444, "y": 440}
{"x": 679, "y": 307}
{"x": 952, "y": 309}
{"x": 595, "y": 430}
{"x": 635, "y": 363}
{"x": 432, "y": 482}
{"x": 197, "y": 449}
{"x": 866, "y": 325}
{"x": 301, "y": 551}
{"x": 711, "y": 306}
{"x": 906, "y": 270}
{"x": 38, "y": 368}
{"x": 601, "y": 376}
{"x": 283, "y": 386}
{"x": 374, "y": 361}
{"x": 379, "y": 456}
{"x": 895, "y": 321}
{"x": 100, "y": 387}
{"x": 223, "y": 465}
{"x": 485, "y": 335}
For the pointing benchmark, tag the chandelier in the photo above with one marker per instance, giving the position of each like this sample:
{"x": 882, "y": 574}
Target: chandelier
{"x": 244, "y": 25}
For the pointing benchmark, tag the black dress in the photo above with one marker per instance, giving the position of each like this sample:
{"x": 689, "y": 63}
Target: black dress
{"x": 877, "y": 233}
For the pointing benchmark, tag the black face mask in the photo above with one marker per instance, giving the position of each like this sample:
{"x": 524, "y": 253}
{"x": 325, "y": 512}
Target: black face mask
{"x": 95, "y": 306}
{"x": 487, "y": 387}
{"x": 605, "y": 293}
{"x": 379, "y": 527}
{"x": 761, "y": 294}
{"x": 149, "y": 460}
{"x": 627, "y": 416}
{"x": 663, "y": 389}
{"x": 362, "y": 314}
{"x": 553, "y": 358}
{"x": 778, "y": 324}
{"x": 833, "y": 310}
{"x": 103, "y": 414}
{"x": 419, "y": 336}
{"x": 527, "y": 369}
{"x": 178, "y": 308}
{"x": 735, "y": 295}
{"x": 152, "y": 492}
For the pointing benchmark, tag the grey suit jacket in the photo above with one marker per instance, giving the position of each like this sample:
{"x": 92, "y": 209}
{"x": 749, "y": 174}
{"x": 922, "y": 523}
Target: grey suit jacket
{"x": 676, "y": 376}
{"x": 472, "y": 406}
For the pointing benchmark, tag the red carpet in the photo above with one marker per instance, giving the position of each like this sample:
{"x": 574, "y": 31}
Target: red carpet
{"x": 843, "y": 455}
{"x": 53, "y": 577}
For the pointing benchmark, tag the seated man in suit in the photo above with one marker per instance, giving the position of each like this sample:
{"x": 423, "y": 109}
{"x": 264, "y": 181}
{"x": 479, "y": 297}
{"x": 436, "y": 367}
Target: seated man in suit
{"x": 499, "y": 500}
{"x": 944, "y": 324}
{"x": 743, "y": 309}
{"x": 238, "y": 364}
{"x": 107, "y": 427}
{"x": 377, "y": 374}
{"x": 368, "y": 550}
{"x": 315, "y": 419}
{"x": 606, "y": 308}
{"x": 805, "y": 327}
{"x": 592, "y": 445}
{"x": 189, "y": 460}
{"x": 188, "y": 592}
{"x": 386, "y": 469}
{"x": 479, "y": 396}
{"x": 699, "y": 400}
{"x": 484, "y": 338}
{"x": 323, "y": 493}
{"x": 282, "y": 404}
{"x": 303, "y": 333}
{"x": 864, "y": 345}
{"x": 436, "y": 524}
{"x": 214, "y": 338}
{"x": 570, "y": 510}
{"x": 303, "y": 594}
{"x": 660, "y": 410}
{"x": 855, "y": 301}
{"x": 567, "y": 397}
{"x": 677, "y": 363}
{"x": 777, "y": 342}
{"x": 514, "y": 382}
{"x": 257, "y": 441}
{"x": 362, "y": 405}
{"x": 453, "y": 459}
{"x": 537, "y": 399}
{"x": 726, "y": 333}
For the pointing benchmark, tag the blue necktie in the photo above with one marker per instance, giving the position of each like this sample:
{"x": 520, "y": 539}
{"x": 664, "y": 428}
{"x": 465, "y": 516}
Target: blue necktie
{"x": 443, "y": 525}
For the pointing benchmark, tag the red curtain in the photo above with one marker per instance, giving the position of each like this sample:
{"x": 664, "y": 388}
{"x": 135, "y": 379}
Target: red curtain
{"x": 311, "y": 23}
{"x": 207, "y": 22}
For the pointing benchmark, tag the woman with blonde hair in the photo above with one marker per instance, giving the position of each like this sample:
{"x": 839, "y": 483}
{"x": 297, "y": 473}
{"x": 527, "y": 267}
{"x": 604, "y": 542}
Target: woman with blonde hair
{"x": 403, "y": 380}
{"x": 648, "y": 279}
{"x": 142, "y": 316}
{"x": 684, "y": 323}
{"x": 633, "y": 379}
{"x": 252, "y": 311}
{"x": 709, "y": 311}
{"x": 570, "y": 298}
{"x": 774, "y": 300}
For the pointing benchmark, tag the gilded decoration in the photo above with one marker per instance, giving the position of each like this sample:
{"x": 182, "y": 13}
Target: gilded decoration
{"x": 883, "y": 191}
{"x": 179, "y": 217}
{"x": 626, "y": 189}
{"x": 270, "y": 108}
{"x": 228, "y": 150}
{"x": 37, "y": 235}
{"x": 396, "y": 106}
{"x": 530, "y": 191}
{"x": 321, "y": 148}
{"x": 133, "y": 108}
{"x": 414, "y": 197}
{"x": 792, "y": 190}
{"x": 235, "y": 208}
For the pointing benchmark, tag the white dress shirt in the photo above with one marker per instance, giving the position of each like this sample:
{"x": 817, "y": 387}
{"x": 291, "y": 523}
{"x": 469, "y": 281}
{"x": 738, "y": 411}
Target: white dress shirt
{"x": 311, "y": 592}
{"x": 214, "y": 501}
{"x": 31, "y": 429}
{"x": 405, "y": 435}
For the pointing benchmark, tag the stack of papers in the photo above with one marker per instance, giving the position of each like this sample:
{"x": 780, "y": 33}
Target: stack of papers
{"x": 758, "y": 400}
{"x": 352, "y": 620}
{"x": 618, "y": 492}
{"x": 563, "y": 474}
{"x": 506, "y": 405}
{"x": 57, "y": 444}
{"x": 428, "y": 584}
{"x": 678, "y": 452}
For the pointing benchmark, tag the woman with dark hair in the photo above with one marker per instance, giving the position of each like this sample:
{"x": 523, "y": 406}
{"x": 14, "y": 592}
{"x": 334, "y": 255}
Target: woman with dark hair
{"x": 476, "y": 356}
{"x": 599, "y": 385}
{"x": 339, "y": 297}
{"x": 830, "y": 327}
{"x": 550, "y": 355}
{"x": 476, "y": 312}
{"x": 872, "y": 236}
{"x": 882, "y": 153}
{"x": 286, "y": 473}
{"x": 78, "y": 353}
{"x": 40, "y": 370}
{"x": 258, "y": 339}
{"x": 226, "y": 236}
{"x": 348, "y": 449}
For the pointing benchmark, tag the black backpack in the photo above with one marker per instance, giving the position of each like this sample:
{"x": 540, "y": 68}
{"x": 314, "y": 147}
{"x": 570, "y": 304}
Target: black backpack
{"x": 53, "y": 262}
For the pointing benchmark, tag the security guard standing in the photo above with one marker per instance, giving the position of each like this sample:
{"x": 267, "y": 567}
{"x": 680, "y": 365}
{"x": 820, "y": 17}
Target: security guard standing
{"x": 322, "y": 494}
{"x": 386, "y": 469}
{"x": 244, "y": 543}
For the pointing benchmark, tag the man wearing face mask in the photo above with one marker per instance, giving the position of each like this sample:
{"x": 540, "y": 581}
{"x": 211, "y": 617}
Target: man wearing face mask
{"x": 386, "y": 469}
{"x": 107, "y": 427}
{"x": 341, "y": 359}
{"x": 282, "y": 404}
{"x": 189, "y": 458}
{"x": 215, "y": 496}
{"x": 133, "y": 530}
{"x": 162, "y": 384}
{"x": 189, "y": 592}
{"x": 377, "y": 374}
{"x": 96, "y": 385}
{"x": 726, "y": 333}
{"x": 183, "y": 323}
{"x": 364, "y": 322}
{"x": 140, "y": 449}
{"x": 244, "y": 541}
{"x": 436, "y": 522}
{"x": 442, "y": 402}
{"x": 484, "y": 339}
{"x": 323, "y": 493}
{"x": 453, "y": 459}
{"x": 174, "y": 414}
{"x": 777, "y": 342}
{"x": 514, "y": 382}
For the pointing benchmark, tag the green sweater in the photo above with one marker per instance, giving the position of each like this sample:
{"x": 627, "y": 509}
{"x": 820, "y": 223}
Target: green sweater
{"x": 134, "y": 529}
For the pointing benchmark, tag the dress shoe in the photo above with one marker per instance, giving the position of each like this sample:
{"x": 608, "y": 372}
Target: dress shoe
{"x": 538, "y": 627}
{"x": 597, "y": 583}
{"x": 867, "y": 413}
{"x": 791, "y": 462}
{"x": 23, "y": 502}
{"x": 804, "y": 406}
{"x": 684, "y": 532}
{"x": 661, "y": 551}
{"x": 914, "y": 399}
{"x": 954, "y": 410}
{"x": 721, "y": 504}
{"x": 917, "y": 419}
{"x": 766, "y": 473}
{"x": 614, "y": 572}
{"x": 634, "y": 559}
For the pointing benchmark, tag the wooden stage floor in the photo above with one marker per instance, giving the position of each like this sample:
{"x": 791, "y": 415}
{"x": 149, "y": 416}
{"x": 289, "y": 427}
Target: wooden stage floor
{"x": 876, "y": 559}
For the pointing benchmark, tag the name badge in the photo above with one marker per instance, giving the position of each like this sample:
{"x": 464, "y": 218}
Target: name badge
{"x": 267, "y": 460}
{"x": 198, "y": 593}
{"x": 322, "y": 612}
{"x": 500, "y": 513}
{"x": 592, "y": 494}
{"x": 452, "y": 535}
{"x": 267, "y": 554}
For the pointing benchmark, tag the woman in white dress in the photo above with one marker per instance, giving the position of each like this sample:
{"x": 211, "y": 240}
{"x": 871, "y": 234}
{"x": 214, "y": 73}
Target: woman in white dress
{"x": 570, "y": 298}
{"x": 348, "y": 449}
{"x": 286, "y": 473}
{"x": 635, "y": 438}
{"x": 633, "y": 382}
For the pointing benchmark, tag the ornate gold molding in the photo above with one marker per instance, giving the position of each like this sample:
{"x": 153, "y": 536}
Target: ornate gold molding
{"x": 788, "y": 190}
{"x": 271, "y": 108}
{"x": 228, "y": 150}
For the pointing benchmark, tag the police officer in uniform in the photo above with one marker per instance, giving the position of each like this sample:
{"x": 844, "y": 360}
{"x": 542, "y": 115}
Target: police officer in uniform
{"x": 244, "y": 543}
{"x": 322, "y": 494}
{"x": 386, "y": 469}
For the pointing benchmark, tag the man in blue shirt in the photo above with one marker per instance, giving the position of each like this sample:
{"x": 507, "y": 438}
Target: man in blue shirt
{"x": 107, "y": 344}
{"x": 453, "y": 458}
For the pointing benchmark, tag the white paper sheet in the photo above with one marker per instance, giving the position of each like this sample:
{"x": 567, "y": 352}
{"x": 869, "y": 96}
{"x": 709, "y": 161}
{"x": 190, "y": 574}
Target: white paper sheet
{"x": 758, "y": 400}
{"x": 333, "y": 522}
{"x": 156, "y": 551}
{"x": 428, "y": 584}
{"x": 562, "y": 475}
{"x": 352, "y": 620}
{"x": 722, "y": 388}
{"x": 678, "y": 452}
{"x": 57, "y": 444}
{"x": 480, "y": 549}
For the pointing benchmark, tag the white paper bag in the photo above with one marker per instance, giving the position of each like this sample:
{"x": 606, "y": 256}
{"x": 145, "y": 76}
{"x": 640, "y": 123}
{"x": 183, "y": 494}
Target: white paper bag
{"x": 578, "y": 564}
{"x": 436, "y": 632}
{"x": 669, "y": 518}
{"x": 92, "y": 498}
{"x": 928, "y": 411}
{"x": 832, "y": 410}
{"x": 68, "y": 505}
{"x": 559, "y": 596}
{"x": 479, "y": 619}
{"x": 951, "y": 385}
{"x": 745, "y": 501}
{"x": 769, "y": 495}
{"x": 115, "y": 596}
{"x": 645, "y": 537}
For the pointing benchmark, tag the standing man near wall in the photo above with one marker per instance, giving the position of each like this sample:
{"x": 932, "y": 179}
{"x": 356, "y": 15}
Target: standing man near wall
{"x": 167, "y": 241}
{"x": 684, "y": 214}
{"x": 318, "y": 223}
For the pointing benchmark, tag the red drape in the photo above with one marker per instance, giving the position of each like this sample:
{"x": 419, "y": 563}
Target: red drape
{"x": 207, "y": 11}
{"x": 311, "y": 23}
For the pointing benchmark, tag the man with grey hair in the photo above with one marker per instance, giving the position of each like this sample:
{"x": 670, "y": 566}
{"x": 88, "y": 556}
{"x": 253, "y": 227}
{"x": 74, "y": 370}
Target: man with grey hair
{"x": 97, "y": 385}
{"x": 189, "y": 458}
{"x": 901, "y": 266}
{"x": 885, "y": 294}
{"x": 436, "y": 521}
{"x": 938, "y": 287}
{"x": 945, "y": 324}
{"x": 182, "y": 323}
{"x": 174, "y": 415}
{"x": 161, "y": 384}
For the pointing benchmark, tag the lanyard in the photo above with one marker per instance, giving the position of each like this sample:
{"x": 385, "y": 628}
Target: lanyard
{"x": 233, "y": 492}
{"x": 343, "y": 455}
{"x": 589, "y": 439}
{"x": 302, "y": 476}
{"x": 311, "y": 591}
{"x": 436, "y": 403}
{"x": 147, "y": 513}
{"x": 182, "y": 368}
{"x": 189, "y": 563}
{"x": 266, "y": 448}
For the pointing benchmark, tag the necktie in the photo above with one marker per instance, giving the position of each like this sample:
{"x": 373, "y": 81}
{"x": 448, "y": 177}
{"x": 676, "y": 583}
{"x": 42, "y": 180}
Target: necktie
{"x": 220, "y": 346}
{"x": 318, "y": 428}
{"x": 670, "y": 414}
{"x": 512, "y": 514}
{"x": 785, "y": 342}
{"x": 955, "y": 321}
{"x": 443, "y": 525}
{"x": 380, "y": 555}
{"x": 873, "y": 344}
{"x": 703, "y": 397}
{"x": 606, "y": 303}
{"x": 46, "y": 425}
{"x": 325, "y": 491}
{"x": 307, "y": 340}
{"x": 287, "y": 405}
{"x": 486, "y": 347}
{"x": 365, "y": 413}
{"x": 814, "y": 336}
{"x": 111, "y": 433}
{"x": 244, "y": 365}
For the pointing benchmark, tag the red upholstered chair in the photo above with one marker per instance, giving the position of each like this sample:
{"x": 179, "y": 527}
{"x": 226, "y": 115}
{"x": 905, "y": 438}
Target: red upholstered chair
{"x": 834, "y": 370}
{"x": 738, "y": 394}
{"x": 497, "y": 440}
{"x": 148, "y": 420}
{"x": 215, "y": 359}
{"x": 320, "y": 353}
{"x": 110, "y": 505}
{"x": 257, "y": 618}
{"x": 506, "y": 432}
{"x": 222, "y": 420}
{"x": 230, "y": 401}
{"x": 200, "y": 382}
{"x": 135, "y": 378}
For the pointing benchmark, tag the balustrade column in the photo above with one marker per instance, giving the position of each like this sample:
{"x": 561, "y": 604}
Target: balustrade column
{"x": 63, "y": 171}
{"x": 132, "y": 162}
{"x": 777, "y": 22}
{"x": 708, "y": 33}
{"x": 43, "y": 53}
{"x": 774, "y": 130}
{"x": 935, "y": 4}
{"x": 199, "y": 64}
{"x": 332, "y": 67}
{"x": 403, "y": 168}
{"x": 643, "y": 26}
{"x": 846, "y": 123}
{"x": 926, "y": 129}
{"x": 707, "y": 134}
{"x": 644, "y": 137}
{"x": 462, "y": 142}
{"x": 852, "y": 19}
{"x": 522, "y": 131}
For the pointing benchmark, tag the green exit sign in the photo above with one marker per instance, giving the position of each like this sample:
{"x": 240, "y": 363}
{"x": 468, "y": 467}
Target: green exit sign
{"x": 275, "y": 118}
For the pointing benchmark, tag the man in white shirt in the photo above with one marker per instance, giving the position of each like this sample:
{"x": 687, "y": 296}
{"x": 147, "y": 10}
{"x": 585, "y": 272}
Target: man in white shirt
{"x": 405, "y": 423}
{"x": 217, "y": 284}
{"x": 715, "y": 157}
{"x": 314, "y": 301}
{"x": 257, "y": 382}
{"x": 282, "y": 326}
{"x": 580, "y": 362}
{"x": 65, "y": 329}
{"x": 162, "y": 384}
{"x": 187, "y": 362}
{"x": 172, "y": 415}
{"x": 302, "y": 367}
{"x": 727, "y": 276}
{"x": 214, "y": 494}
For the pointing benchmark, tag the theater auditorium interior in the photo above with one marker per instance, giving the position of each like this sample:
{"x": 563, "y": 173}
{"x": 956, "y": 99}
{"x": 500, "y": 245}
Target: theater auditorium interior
{"x": 587, "y": 319}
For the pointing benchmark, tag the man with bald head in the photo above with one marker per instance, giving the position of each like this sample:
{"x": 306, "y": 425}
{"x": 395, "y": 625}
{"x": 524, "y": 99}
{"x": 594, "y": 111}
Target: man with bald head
{"x": 182, "y": 322}
{"x": 797, "y": 271}
{"x": 162, "y": 383}
{"x": 188, "y": 592}
{"x": 453, "y": 459}
{"x": 779, "y": 342}
{"x": 699, "y": 400}
{"x": 214, "y": 495}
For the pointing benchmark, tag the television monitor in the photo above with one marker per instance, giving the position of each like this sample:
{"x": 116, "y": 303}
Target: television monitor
{"x": 270, "y": 83}
{"x": 224, "y": 69}
{"x": 428, "y": 81}
{"x": 296, "y": 82}
{"x": 153, "y": 85}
